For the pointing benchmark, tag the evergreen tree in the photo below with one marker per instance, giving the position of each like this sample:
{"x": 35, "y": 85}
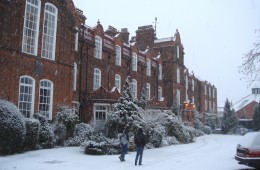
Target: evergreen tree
{"x": 229, "y": 120}
{"x": 142, "y": 101}
{"x": 125, "y": 112}
{"x": 256, "y": 118}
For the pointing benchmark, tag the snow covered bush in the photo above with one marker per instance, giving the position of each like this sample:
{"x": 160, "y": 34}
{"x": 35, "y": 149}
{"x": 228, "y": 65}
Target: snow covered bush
{"x": 64, "y": 124}
{"x": 98, "y": 144}
{"x": 238, "y": 130}
{"x": 155, "y": 134}
{"x": 32, "y": 134}
{"x": 198, "y": 121}
{"x": 12, "y": 128}
{"x": 82, "y": 132}
{"x": 211, "y": 120}
{"x": 207, "y": 129}
{"x": 46, "y": 135}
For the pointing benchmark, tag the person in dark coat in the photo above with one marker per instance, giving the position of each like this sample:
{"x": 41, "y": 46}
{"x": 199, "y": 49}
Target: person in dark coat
{"x": 139, "y": 140}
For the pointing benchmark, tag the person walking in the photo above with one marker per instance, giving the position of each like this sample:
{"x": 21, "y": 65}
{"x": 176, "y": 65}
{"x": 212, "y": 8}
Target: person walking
{"x": 124, "y": 144}
{"x": 140, "y": 141}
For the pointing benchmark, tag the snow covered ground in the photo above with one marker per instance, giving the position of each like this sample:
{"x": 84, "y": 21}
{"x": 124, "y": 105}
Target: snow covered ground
{"x": 209, "y": 152}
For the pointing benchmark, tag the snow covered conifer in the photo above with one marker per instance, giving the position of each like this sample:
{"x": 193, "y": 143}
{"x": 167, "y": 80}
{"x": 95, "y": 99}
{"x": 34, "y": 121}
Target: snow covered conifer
{"x": 12, "y": 128}
{"x": 229, "y": 120}
{"x": 125, "y": 112}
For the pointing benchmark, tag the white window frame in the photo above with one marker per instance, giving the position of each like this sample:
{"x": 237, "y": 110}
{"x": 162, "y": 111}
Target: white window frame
{"x": 160, "y": 72}
{"x": 206, "y": 105}
{"x": 102, "y": 109}
{"x": 213, "y": 93}
{"x": 209, "y": 92}
{"x": 205, "y": 89}
{"x": 159, "y": 92}
{"x": 96, "y": 79}
{"x": 75, "y": 74}
{"x": 178, "y": 51}
{"x": 118, "y": 55}
{"x": 178, "y": 79}
{"x": 134, "y": 62}
{"x": 134, "y": 88}
{"x": 193, "y": 99}
{"x": 48, "y": 99}
{"x": 31, "y": 26}
{"x": 77, "y": 40}
{"x": 118, "y": 82}
{"x": 26, "y": 95}
{"x": 98, "y": 47}
{"x": 49, "y": 36}
{"x": 148, "y": 68}
{"x": 148, "y": 91}
{"x": 178, "y": 96}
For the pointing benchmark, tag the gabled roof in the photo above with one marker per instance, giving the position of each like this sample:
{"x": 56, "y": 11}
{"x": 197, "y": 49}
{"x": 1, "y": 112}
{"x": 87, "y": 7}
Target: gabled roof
{"x": 245, "y": 101}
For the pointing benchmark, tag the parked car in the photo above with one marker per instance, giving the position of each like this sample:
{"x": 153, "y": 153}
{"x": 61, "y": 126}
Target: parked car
{"x": 248, "y": 150}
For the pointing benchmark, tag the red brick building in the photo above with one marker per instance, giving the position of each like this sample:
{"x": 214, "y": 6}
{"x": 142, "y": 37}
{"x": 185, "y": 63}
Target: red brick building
{"x": 49, "y": 57}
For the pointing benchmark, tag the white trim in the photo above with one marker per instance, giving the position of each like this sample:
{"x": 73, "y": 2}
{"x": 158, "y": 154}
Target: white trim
{"x": 49, "y": 44}
{"x": 118, "y": 55}
{"x": 134, "y": 62}
{"x": 51, "y": 97}
{"x": 75, "y": 75}
{"x": 36, "y": 36}
{"x": 160, "y": 72}
{"x": 32, "y": 94}
{"x": 178, "y": 78}
{"x": 148, "y": 68}
{"x": 96, "y": 82}
{"x": 148, "y": 91}
{"x": 118, "y": 82}
{"x": 98, "y": 48}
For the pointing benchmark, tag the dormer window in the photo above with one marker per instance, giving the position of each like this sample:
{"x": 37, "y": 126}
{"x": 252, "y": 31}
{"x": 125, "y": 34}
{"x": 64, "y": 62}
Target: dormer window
{"x": 178, "y": 51}
{"x": 148, "y": 69}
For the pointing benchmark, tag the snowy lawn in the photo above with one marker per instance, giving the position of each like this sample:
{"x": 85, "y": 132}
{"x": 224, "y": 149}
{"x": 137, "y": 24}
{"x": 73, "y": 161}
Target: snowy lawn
{"x": 209, "y": 152}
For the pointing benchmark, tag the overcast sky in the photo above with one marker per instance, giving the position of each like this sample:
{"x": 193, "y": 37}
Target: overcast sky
{"x": 216, "y": 34}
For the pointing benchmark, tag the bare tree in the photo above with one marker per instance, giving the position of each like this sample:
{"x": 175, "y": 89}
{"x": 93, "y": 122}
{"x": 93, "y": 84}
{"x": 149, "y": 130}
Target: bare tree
{"x": 250, "y": 68}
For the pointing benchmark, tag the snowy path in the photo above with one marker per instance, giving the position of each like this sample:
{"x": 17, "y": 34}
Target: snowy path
{"x": 209, "y": 152}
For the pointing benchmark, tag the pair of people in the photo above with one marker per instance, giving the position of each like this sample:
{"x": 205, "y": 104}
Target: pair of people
{"x": 139, "y": 140}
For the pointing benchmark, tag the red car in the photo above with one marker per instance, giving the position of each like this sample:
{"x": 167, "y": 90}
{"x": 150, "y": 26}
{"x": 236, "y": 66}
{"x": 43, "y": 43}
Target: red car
{"x": 248, "y": 150}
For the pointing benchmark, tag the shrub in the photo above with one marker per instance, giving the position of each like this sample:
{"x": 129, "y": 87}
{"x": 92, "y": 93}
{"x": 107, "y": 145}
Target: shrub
{"x": 46, "y": 135}
{"x": 12, "y": 128}
{"x": 82, "y": 131}
{"x": 69, "y": 119}
{"x": 207, "y": 130}
{"x": 32, "y": 134}
{"x": 100, "y": 145}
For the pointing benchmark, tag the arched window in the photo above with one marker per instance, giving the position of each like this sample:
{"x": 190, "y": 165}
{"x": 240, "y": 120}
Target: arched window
{"x": 75, "y": 73}
{"x": 193, "y": 84}
{"x": 98, "y": 48}
{"x": 148, "y": 91}
{"x": 118, "y": 55}
{"x": 118, "y": 82}
{"x": 159, "y": 93}
{"x": 134, "y": 88}
{"x": 46, "y": 98}
{"x": 160, "y": 72}
{"x": 97, "y": 79}
{"x": 49, "y": 31}
{"x": 31, "y": 26}
{"x": 26, "y": 96}
{"x": 148, "y": 69}
{"x": 134, "y": 62}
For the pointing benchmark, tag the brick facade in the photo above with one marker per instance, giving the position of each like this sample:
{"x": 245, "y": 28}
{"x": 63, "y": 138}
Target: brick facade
{"x": 167, "y": 52}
